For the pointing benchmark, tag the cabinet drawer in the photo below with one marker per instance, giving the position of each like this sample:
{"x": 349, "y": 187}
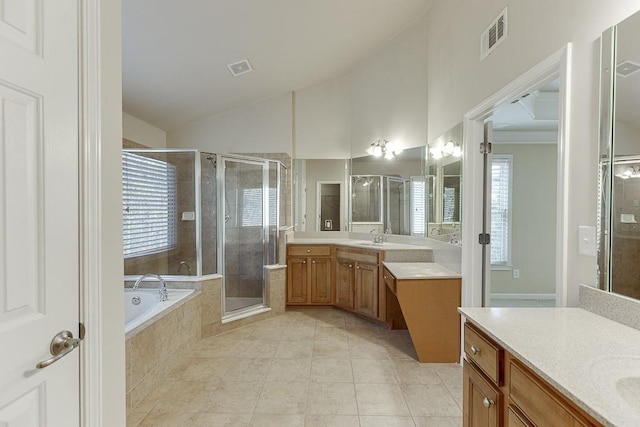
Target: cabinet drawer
{"x": 486, "y": 355}
{"x": 358, "y": 255}
{"x": 306, "y": 250}
{"x": 538, "y": 402}
{"x": 390, "y": 280}
{"x": 515, "y": 419}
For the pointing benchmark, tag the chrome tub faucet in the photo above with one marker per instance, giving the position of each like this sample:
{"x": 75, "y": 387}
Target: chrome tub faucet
{"x": 164, "y": 295}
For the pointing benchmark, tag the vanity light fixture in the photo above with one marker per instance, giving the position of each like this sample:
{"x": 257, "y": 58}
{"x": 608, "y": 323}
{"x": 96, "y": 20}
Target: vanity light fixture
{"x": 631, "y": 172}
{"x": 384, "y": 148}
{"x": 450, "y": 149}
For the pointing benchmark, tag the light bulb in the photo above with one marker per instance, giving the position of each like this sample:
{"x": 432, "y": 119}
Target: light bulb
{"x": 377, "y": 151}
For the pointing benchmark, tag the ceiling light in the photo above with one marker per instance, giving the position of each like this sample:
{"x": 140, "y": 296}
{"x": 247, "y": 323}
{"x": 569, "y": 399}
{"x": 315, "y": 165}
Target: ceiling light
{"x": 450, "y": 149}
{"x": 631, "y": 172}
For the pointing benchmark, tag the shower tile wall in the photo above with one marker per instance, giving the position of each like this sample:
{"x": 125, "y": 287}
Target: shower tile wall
{"x": 626, "y": 238}
{"x": 208, "y": 203}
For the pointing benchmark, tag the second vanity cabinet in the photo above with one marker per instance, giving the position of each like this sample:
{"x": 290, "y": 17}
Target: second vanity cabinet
{"x": 357, "y": 286}
{"x": 499, "y": 390}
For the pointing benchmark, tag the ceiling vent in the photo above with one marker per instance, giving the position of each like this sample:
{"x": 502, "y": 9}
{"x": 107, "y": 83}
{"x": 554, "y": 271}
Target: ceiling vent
{"x": 493, "y": 35}
{"x": 627, "y": 68}
{"x": 240, "y": 67}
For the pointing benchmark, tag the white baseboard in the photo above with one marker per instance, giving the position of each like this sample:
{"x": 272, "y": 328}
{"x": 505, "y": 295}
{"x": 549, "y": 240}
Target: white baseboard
{"x": 523, "y": 296}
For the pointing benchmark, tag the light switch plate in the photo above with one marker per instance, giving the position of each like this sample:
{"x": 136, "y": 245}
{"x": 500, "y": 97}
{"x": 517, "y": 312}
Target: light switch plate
{"x": 587, "y": 240}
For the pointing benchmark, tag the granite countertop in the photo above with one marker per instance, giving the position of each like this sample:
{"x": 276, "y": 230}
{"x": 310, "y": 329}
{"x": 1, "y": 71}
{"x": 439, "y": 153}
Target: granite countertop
{"x": 420, "y": 270}
{"x": 578, "y": 352}
{"x": 358, "y": 243}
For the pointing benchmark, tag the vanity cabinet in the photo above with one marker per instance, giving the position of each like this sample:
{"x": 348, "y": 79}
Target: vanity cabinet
{"x": 498, "y": 386}
{"x": 357, "y": 284}
{"x": 309, "y": 275}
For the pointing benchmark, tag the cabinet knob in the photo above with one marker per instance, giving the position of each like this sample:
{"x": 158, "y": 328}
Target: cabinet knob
{"x": 384, "y": 277}
{"x": 488, "y": 403}
{"x": 350, "y": 265}
{"x": 474, "y": 350}
{"x": 308, "y": 251}
{"x": 358, "y": 267}
{"x": 304, "y": 262}
{"x": 313, "y": 262}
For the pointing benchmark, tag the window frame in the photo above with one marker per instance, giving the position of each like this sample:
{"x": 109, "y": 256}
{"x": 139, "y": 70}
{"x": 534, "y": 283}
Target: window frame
{"x": 505, "y": 264}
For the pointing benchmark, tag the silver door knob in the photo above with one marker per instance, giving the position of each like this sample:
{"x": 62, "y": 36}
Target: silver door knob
{"x": 474, "y": 350}
{"x": 61, "y": 345}
{"x": 487, "y": 403}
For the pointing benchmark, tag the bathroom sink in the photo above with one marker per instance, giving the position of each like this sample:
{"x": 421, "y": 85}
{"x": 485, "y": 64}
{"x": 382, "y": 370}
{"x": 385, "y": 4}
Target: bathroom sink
{"x": 368, "y": 244}
{"x": 618, "y": 376}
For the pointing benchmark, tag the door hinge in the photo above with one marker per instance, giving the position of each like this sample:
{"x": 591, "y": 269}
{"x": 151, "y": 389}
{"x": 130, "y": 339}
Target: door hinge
{"x": 81, "y": 330}
{"x": 484, "y": 239}
{"x": 485, "y": 148}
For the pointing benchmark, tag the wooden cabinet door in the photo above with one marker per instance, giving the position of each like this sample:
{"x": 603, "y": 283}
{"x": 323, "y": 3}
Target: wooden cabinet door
{"x": 321, "y": 280}
{"x": 482, "y": 401}
{"x": 366, "y": 278}
{"x": 297, "y": 280}
{"x": 345, "y": 283}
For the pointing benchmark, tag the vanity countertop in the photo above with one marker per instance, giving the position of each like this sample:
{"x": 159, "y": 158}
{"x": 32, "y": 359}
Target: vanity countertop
{"x": 578, "y": 352}
{"x": 420, "y": 270}
{"x": 359, "y": 243}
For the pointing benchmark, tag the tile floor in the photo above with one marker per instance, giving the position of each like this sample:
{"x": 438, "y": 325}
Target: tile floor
{"x": 308, "y": 367}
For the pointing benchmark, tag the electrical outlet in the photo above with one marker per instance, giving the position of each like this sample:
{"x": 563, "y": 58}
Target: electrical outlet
{"x": 516, "y": 273}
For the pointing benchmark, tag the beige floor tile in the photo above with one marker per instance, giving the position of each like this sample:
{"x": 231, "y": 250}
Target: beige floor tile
{"x": 135, "y": 418}
{"x": 161, "y": 419}
{"x": 358, "y": 322}
{"x": 438, "y": 421}
{"x": 400, "y": 349}
{"x": 297, "y": 333}
{"x": 234, "y": 398}
{"x": 367, "y": 350}
{"x": 414, "y": 372}
{"x": 215, "y": 347}
{"x": 432, "y": 400}
{"x": 373, "y": 371}
{"x": 277, "y": 420}
{"x": 294, "y": 349}
{"x": 449, "y": 373}
{"x": 332, "y": 321}
{"x": 332, "y": 399}
{"x": 283, "y": 398}
{"x": 332, "y": 421}
{"x": 333, "y": 349}
{"x": 386, "y": 421}
{"x": 152, "y": 398}
{"x": 290, "y": 370}
{"x": 331, "y": 370}
{"x": 185, "y": 396}
{"x": 222, "y": 420}
{"x": 380, "y": 399}
{"x": 456, "y": 393}
{"x": 368, "y": 334}
{"x": 328, "y": 333}
{"x": 248, "y": 370}
{"x": 256, "y": 349}
{"x": 200, "y": 369}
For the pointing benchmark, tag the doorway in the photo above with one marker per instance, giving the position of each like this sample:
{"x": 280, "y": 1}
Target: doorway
{"x": 478, "y": 269}
{"x": 329, "y": 206}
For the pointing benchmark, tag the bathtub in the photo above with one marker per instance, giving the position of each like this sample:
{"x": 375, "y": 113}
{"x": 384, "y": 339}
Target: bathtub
{"x": 141, "y": 305}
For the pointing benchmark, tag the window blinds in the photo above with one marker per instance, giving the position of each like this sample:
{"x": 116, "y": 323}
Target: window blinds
{"x": 501, "y": 172}
{"x": 149, "y": 205}
{"x": 418, "y": 206}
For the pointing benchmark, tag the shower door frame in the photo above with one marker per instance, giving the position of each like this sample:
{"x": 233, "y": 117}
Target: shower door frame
{"x": 222, "y": 233}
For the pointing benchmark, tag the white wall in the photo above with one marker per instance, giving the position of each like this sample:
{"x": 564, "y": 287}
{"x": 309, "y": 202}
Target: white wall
{"x": 533, "y": 219}
{"x": 458, "y": 81}
{"x": 627, "y": 139}
{"x": 112, "y": 368}
{"x": 142, "y": 132}
{"x": 323, "y": 120}
{"x": 264, "y": 127}
{"x": 389, "y": 93}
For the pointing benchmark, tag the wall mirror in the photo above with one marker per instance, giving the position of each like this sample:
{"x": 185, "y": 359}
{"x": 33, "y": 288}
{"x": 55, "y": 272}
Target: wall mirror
{"x": 388, "y": 195}
{"x": 444, "y": 189}
{"x": 619, "y": 185}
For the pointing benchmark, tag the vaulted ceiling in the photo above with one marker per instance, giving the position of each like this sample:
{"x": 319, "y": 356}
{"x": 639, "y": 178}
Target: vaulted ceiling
{"x": 175, "y": 53}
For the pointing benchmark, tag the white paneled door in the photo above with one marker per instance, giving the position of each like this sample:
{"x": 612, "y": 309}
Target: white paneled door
{"x": 39, "y": 232}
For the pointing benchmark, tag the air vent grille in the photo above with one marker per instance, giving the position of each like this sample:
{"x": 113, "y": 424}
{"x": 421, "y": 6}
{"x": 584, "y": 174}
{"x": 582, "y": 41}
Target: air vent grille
{"x": 240, "y": 67}
{"x": 627, "y": 68}
{"x": 494, "y": 34}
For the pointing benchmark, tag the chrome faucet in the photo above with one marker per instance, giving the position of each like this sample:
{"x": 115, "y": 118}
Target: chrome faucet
{"x": 184, "y": 263}
{"x": 377, "y": 237}
{"x": 164, "y": 295}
